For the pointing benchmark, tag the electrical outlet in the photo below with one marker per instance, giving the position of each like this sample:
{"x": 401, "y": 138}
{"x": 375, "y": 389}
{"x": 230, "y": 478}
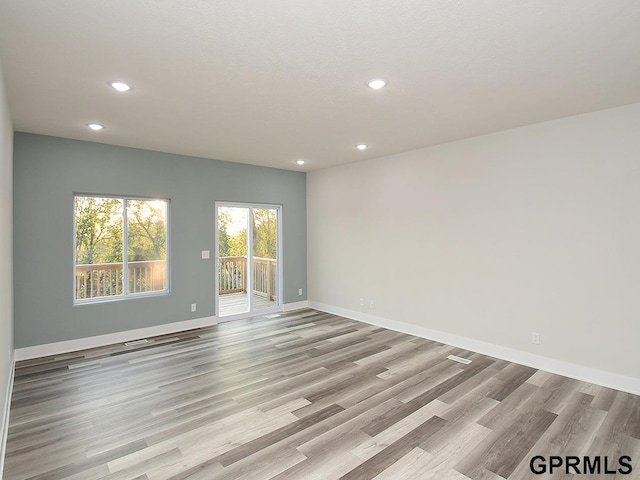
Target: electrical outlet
{"x": 205, "y": 254}
{"x": 193, "y": 307}
{"x": 372, "y": 304}
{"x": 299, "y": 291}
{"x": 535, "y": 338}
{"x": 362, "y": 302}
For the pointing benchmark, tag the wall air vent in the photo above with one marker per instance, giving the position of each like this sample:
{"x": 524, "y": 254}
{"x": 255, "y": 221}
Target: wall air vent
{"x": 466, "y": 361}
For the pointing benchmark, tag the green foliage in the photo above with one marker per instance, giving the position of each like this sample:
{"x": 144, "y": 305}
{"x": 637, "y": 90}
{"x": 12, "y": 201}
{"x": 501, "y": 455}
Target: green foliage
{"x": 232, "y": 232}
{"x": 99, "y": 230}
{"x": 232, "y": 240}
{"x": 146, "y": 230}
{"x": 265, "y": 234}
{"x": 238, "y": 244}
{"x": 224, "y": 219}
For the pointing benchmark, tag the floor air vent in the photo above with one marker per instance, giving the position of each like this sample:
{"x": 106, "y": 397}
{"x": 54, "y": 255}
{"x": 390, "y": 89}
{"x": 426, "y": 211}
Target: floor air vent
{"x": 466, "y": 361}
{"x": 136, "y": 342}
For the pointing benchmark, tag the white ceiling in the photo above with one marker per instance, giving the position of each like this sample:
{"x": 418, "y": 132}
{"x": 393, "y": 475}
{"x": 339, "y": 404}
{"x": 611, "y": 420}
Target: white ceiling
{"x": 270, "y": 81}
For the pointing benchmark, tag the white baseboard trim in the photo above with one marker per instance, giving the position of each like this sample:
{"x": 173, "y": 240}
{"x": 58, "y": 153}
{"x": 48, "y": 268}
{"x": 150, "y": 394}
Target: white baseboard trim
{"x": 288, "y": 307}
{"x": 46, "y": 350}
{"x": 4, "y": 426}
{"x": 560, "y": 367}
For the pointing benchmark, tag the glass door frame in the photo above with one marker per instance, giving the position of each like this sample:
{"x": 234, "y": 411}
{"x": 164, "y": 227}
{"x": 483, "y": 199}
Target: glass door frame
{"x": 278, "y": 307}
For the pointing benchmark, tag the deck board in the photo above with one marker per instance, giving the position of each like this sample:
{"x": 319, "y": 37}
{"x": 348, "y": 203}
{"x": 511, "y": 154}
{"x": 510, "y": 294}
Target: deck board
{"x": 236, "y": 303}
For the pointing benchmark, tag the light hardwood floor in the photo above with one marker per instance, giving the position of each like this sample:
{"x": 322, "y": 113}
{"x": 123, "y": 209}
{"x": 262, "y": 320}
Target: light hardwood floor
{"x": 306, "y": 395}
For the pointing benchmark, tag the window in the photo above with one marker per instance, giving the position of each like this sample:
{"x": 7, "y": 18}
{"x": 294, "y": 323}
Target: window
{"x": 120, "y": 247}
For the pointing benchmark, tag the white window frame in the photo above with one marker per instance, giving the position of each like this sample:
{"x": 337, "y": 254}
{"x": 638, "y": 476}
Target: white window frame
{"x": 126, "y": 295}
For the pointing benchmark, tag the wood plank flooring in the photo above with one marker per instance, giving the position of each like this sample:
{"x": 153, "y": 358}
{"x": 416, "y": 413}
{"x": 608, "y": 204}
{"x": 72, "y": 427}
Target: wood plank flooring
{"x": 306, "y": 395}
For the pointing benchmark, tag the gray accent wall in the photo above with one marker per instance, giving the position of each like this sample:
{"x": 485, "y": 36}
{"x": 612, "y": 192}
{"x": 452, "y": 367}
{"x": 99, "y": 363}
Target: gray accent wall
{"x": 47, "y": 173}
{"x": 6, "y": 240}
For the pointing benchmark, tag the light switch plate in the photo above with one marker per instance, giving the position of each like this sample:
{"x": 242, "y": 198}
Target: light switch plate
{"x": 205, "y": 254}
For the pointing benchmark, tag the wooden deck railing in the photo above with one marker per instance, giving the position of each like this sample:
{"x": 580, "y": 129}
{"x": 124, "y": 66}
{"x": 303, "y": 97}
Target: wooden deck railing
{"x": 105, "y": 279}
{"x": 233, "y": 275}
{"x": 264, "y": 277}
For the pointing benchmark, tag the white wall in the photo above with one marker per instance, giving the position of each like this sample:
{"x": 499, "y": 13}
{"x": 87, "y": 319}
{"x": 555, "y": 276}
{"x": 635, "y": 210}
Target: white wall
{"x": 494, "y": 237}
{"x": 6, "y": 256}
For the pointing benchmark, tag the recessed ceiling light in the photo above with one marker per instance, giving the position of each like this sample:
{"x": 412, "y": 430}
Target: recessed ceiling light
{"x": 95, "y": 126}
{"x": 121, "y": 86}
{"x": 361, "y": 146}
{"x": 377, "y": 83}
{"x": 300, "y": 162}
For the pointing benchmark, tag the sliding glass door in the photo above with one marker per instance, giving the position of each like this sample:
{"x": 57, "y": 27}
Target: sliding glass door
{"x": 247, "y": 259}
